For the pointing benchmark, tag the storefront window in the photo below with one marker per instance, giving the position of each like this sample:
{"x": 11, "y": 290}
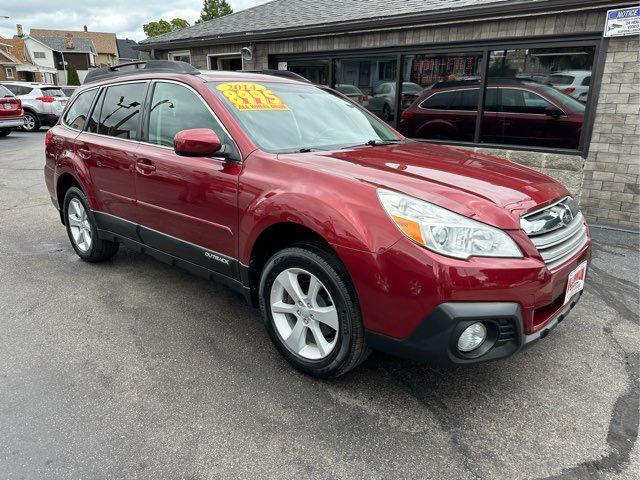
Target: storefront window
{"x": 316, "y": 71}
{"x": 369, "y": 81}
{"x": 440, "y": 96}
{"x": 541, "y": 95}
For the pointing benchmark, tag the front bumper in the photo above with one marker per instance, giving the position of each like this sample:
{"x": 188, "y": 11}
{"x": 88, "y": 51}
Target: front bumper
{"x": 11, "y": 122}
{"x": 406, "y": 295}
{"x": 435, "y": 339}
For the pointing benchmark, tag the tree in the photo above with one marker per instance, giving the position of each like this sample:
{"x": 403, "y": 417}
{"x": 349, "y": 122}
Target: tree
{"x": 153, "y": 29}
{"x": 72, "y": 75}
{"x": 214, "y": 9}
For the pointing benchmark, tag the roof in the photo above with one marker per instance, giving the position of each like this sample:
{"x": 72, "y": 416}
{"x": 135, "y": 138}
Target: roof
{"x": 59, "y": 44}
{"x": 125, "y": 49}
{"x": 104, "y": 42}
{"x": 282, "y": 15}
{"x": 18, "y": 48}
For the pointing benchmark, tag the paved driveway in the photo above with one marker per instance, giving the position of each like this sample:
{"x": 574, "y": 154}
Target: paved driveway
{"x": 132, "y": 369}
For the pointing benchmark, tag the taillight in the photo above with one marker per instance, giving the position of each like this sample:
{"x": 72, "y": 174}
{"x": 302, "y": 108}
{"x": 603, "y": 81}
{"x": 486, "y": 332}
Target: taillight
{"x": 46, "y": 99}
{"x": 569, "y": 90}
{"x": 406, "y": 115}
{"x": 48, "y": 137}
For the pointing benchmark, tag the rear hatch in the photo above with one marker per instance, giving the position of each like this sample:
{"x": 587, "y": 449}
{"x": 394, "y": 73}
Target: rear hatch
{"x": 10, "y": 106}
{"x": 54, "y": 96}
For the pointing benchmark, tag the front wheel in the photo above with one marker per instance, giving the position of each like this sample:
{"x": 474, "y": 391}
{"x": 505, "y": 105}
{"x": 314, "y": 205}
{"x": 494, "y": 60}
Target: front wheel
{"x": 311, "y": 311}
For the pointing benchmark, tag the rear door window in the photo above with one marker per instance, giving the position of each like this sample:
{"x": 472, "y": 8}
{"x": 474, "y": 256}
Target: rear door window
{"x": 121, "y": 107}
{"x": 466, "y": 100}
{"x": 76, "y": 116}
{"x": 19, "y": 89}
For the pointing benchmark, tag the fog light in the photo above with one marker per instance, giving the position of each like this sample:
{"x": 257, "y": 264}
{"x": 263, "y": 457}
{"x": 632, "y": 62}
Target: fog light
{"x": 472, "y": 337}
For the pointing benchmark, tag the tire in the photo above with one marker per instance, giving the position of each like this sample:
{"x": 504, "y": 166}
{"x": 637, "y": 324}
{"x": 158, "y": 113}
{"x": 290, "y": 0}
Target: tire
{"x": 348, "y": 348}
{"x": 386, "y": 113}
{"x": 79, "y": 226}
{"x": 31, "y": 122}
{"x": 4, "y": 132}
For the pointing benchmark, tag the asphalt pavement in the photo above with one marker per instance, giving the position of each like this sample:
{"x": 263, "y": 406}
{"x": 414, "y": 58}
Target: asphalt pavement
{"x": 133, "y": 369}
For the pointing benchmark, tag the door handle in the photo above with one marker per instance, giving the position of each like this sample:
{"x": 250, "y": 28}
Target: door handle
{"x": 84, "y": 153}
{"x": 145, "y": 167}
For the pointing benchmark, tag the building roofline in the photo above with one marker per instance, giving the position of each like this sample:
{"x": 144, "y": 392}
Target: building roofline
{"x": 445, "y": 16}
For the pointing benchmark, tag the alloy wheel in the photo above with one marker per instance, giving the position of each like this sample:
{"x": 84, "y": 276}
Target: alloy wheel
{"x": 304, "y": 314}
{"x": 79, "y": 225}
{"x": 29, "y": 122}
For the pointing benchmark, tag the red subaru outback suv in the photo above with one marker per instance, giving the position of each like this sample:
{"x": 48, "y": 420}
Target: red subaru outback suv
{"x": 348, "y": 236}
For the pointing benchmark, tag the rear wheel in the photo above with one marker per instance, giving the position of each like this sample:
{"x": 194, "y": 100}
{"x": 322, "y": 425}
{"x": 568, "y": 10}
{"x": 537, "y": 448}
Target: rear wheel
{"x": 311, "y": 311}
{"x": 4, "y": 132}
{"x": 31, "y": 122}
{"x": 82, "y": 229}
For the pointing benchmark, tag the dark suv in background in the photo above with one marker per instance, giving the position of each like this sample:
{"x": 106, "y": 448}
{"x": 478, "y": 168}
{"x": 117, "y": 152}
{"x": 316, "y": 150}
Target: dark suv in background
{"x": 517, "y": 112}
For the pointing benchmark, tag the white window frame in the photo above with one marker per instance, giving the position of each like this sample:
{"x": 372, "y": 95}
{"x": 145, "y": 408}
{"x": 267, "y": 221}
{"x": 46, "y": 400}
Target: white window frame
{"x": 8, "y": 71}
{"x": 180, "y": 53}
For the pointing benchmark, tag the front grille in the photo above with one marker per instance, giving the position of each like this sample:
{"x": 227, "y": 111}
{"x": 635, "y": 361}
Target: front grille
{"x": 556, "y": 240}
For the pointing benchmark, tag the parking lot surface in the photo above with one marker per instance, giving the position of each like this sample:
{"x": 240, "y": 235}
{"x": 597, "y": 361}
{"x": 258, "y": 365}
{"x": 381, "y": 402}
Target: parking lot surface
{"x": 134, "y": 369}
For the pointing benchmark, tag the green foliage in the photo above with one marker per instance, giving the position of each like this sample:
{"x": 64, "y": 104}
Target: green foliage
{"x": 153, "y": 29}
{"x": 213, "y": 9}
{"x": 72, "y": 75}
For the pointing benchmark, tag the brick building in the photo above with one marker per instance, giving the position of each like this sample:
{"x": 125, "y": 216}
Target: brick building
{"x": 543, "y": 86}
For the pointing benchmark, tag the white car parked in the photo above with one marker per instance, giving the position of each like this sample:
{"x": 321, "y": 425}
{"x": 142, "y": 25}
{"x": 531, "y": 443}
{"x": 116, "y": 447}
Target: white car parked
{"x": 42, "y": 103}
{"x": 572, "y": 82}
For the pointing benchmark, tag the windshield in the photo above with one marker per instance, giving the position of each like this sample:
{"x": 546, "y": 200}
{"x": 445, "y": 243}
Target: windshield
{"x": 293, "y": 117}
{"x": 566, "y": 100}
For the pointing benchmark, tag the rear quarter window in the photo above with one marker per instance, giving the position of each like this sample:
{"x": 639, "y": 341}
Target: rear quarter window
{"x": 439, "y": 101}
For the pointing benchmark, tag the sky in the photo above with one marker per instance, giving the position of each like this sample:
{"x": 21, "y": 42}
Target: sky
{"x": 123, "y": 17}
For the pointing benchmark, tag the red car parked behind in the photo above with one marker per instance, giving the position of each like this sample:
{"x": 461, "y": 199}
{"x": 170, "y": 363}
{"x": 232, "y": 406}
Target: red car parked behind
{"x": 11, "y": 112}
{"x": 347, "y": 235}
{"x": 517, "y": 112}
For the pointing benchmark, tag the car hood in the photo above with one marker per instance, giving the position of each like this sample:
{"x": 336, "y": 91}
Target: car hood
{"x": 488, "y": 189}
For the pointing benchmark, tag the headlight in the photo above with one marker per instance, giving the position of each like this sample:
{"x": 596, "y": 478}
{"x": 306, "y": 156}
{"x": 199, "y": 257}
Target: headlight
{"x": 446, "y": 232}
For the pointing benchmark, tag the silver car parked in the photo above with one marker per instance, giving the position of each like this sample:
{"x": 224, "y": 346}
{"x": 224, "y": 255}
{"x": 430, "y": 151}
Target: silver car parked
{"x": 42, "y": 103}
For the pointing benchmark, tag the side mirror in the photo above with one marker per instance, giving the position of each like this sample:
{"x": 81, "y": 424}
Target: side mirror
{"x": 553, "y": 112}
{"x": 197, "y": 142}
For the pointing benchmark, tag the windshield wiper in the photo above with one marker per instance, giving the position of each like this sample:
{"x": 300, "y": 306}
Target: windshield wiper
{"x": 374, "y": 143}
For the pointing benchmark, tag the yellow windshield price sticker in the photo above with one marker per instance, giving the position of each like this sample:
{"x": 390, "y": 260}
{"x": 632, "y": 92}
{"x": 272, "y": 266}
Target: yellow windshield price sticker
{"x": 247, "y": 96}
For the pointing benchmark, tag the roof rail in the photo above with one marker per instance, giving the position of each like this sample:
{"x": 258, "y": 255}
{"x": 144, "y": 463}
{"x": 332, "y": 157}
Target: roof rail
{"x": 143, "y": 66}
{"x": 279, "y": 73}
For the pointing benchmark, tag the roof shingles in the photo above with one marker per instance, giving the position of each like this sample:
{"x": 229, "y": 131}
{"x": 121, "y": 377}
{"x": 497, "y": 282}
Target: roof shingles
{"x": 290, "y": 14}
{"x": 104, "y": 42}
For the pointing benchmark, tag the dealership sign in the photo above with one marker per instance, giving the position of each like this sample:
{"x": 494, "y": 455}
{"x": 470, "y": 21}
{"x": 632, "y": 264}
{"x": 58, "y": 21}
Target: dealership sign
{"x": 622, "y": 22}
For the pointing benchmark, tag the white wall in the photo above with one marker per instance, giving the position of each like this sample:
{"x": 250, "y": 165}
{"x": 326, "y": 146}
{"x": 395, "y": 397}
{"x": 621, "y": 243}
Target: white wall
{"x": 33, "y": 46}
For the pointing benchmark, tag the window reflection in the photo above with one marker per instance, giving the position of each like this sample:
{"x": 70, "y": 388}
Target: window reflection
{"x": 370, "y": 82}
{"x": 541, "y": 94}
{"x": 440, "y": 96}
